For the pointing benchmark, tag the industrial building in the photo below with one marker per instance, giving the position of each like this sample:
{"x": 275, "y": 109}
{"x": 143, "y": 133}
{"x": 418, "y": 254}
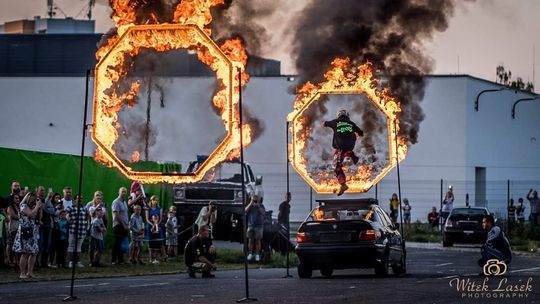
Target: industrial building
{"x": 480, "y": 146}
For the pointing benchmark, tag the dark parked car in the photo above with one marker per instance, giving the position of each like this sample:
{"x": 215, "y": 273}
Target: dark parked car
{"x": 349, "y": 233}
{"x": 464, "y": 225}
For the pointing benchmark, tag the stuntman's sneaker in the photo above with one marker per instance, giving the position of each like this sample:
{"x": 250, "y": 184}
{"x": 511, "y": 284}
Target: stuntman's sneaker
{"x": 342, "y": 189}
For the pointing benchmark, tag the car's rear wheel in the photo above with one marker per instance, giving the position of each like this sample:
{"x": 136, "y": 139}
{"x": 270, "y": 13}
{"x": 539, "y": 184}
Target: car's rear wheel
{"x": 304, "y": 271}
{"x": 381, "y": 268}
{"x": 327, "y": 271}
{"x": 399, "y": 269}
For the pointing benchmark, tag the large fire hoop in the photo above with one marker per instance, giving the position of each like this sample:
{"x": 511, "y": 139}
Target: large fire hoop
{"x": 165, "y": 37}
{"x": 342, "y": 79}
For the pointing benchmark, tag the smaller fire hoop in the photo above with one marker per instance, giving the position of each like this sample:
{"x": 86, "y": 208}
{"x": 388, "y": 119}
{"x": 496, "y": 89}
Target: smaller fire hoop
{"x": 341, "y": 82}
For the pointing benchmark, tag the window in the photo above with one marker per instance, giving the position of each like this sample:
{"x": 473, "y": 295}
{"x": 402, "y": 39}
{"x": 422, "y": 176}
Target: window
{"x": 341, "y": 213}
{"x": 385, "y": 221}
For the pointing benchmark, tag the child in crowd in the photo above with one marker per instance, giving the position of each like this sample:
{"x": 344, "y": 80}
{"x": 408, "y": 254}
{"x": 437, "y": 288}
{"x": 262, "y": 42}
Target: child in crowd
{"x": 97, "y": 231}
{"x": 172, "y": 233}
{"x": 155, "y": 240}
{"x": 59, "y": 208}
{"x": 137, "y": 234}
{"x": 62, "y": 242}
{"x": 55, "y": 201}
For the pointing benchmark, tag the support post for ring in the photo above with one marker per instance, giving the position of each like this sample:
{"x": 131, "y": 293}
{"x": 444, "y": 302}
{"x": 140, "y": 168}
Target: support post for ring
{"x": 246, "y": 272}
{"x": 441, "y": 220}
{"x": 404, "y": 262}
{"x": 508, "y": 221}
{"x": 78, "y": 199}
{"x": 288, "y": 241}
{"x": 310, "y": 198}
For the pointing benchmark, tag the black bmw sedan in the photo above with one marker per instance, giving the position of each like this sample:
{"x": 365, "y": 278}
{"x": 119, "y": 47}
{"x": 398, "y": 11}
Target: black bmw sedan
{"x": 349, "y": 233}
{"x": 464, "y": 225}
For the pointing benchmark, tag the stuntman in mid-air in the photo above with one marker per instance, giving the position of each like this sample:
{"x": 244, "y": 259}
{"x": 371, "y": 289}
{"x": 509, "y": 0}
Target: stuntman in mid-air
{"x": 345, "y": 132}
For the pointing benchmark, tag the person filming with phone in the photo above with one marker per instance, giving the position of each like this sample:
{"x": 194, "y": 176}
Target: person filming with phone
{"x": 27, "y": 238}
{"x": 207, "y": 217}
{"x": 255, "y": 214}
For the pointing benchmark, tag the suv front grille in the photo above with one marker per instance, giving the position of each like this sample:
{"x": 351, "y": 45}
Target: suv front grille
{"x": 209, "y": 194}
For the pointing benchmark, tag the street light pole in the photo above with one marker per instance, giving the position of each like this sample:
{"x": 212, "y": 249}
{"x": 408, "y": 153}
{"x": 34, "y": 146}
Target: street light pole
{"x": 518, "y": 101}
{"x": 288, "y": 275}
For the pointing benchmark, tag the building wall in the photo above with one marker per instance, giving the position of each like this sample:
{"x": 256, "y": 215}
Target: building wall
{"x": 506, "y": 147}
{"x": 64, "y": 26}
{"x": 453, "y": 138}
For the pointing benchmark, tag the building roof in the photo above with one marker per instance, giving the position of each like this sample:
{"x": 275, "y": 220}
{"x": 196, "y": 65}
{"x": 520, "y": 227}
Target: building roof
{"x": 72, "y": 54}
{"x": 493, "y": 83}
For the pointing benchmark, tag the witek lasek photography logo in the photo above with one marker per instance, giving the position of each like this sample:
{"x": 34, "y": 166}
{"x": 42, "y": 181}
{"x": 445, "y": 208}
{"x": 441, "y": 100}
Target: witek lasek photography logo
{"x": 495, "y": 268}
{"x": 493, "y": 285}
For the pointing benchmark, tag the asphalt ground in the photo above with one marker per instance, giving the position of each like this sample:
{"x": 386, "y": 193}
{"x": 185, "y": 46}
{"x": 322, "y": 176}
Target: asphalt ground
{"x": 431, "y": 271}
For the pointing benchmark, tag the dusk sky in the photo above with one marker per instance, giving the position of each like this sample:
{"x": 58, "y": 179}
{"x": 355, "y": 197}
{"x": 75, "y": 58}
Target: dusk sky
{"x": 482, "y": 34}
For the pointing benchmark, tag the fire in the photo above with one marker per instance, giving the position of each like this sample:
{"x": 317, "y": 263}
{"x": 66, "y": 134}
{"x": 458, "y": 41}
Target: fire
{"x": 188, "y": 32}
{"x": 343, "y": 78}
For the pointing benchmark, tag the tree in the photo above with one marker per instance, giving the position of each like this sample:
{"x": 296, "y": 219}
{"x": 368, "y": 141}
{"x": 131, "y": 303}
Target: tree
{"x": 505, "y": 78}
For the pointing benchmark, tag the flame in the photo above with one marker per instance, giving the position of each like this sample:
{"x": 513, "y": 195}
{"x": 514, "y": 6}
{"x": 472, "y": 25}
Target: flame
{"x": 189, "y": 31}
{"x": 123, "y": 12}
{"x": 195, "y": 12}
{"x": 343, "y": 78}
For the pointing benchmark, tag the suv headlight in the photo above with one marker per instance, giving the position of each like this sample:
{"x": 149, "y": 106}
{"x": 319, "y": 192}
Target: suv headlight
{"x": 179, "y": 193}
{"x": 448, "y": 223}
{"x": 238, "y": 194}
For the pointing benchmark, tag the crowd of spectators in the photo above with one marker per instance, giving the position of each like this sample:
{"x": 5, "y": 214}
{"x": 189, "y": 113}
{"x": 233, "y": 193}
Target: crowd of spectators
{"x": 39, "y": 229}
{"x": 48, "y": 229}
{"x": 515, "y": 213}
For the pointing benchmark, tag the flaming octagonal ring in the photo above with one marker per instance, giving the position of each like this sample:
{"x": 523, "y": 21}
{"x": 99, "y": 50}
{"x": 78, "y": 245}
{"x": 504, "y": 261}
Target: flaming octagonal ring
{"x": 162, "y": 37}
{"x": 385, "y": 103}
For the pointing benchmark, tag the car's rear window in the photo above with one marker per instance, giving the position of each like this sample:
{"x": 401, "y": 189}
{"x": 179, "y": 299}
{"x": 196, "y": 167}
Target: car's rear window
{"x": 472, "y": 212}
{"x": 344, "y": 213}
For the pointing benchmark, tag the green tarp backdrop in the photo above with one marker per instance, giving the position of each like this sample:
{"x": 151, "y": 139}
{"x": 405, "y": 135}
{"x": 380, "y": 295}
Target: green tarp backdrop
{"x": 56, "y": 171}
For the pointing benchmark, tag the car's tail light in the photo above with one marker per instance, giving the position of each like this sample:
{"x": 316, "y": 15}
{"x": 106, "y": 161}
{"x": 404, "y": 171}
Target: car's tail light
{"x": 367, "y": 235}
{"x": 301, "y": 237}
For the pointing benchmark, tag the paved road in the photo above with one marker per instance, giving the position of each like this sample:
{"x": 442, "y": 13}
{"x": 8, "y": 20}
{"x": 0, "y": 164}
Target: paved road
{"x": 430, "y": 273}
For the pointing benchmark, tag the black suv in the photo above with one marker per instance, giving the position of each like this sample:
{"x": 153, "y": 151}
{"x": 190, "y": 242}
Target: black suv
{"x": 464, "y": 225}
{"x": 349, "y": 233}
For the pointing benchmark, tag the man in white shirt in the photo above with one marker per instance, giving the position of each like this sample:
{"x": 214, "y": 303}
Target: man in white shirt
{"x": 67, "y": 200}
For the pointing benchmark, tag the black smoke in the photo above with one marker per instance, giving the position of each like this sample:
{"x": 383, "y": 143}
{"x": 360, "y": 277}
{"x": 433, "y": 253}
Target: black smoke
{"x": 388, "y": 33}
{"x": 241, "y": 18}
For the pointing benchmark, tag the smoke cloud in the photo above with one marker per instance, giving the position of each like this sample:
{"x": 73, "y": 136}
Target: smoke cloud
{"x": 242, "y": 19}
{"x": 388, "y": 33}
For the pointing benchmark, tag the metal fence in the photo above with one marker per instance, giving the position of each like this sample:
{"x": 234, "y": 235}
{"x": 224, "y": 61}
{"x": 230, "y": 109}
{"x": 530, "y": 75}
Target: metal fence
{"x": 422, "y": 194}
